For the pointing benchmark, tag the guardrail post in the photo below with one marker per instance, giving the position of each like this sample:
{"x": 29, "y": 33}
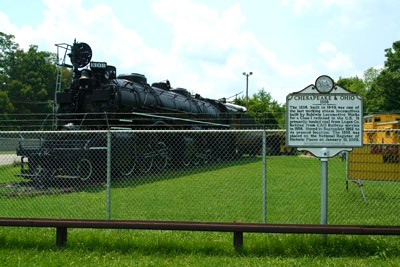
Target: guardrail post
{"x": 61, "y": 236}
{"x": 238, "y": 240}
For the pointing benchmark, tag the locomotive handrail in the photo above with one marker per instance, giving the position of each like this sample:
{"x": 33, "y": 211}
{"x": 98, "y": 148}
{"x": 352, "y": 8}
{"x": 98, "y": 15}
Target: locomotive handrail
{"x": 62, "y": 144}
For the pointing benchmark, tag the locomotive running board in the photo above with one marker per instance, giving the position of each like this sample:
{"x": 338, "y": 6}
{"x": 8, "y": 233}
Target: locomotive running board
{"x": 33, "y": 176}
{"x": 174, "y": 119}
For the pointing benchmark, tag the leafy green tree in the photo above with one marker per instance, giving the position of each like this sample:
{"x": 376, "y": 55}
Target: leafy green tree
{"x": 5, "y": 104}
{"x": 353, "y": 84}
{"x": 384, "y": 95}
{"x": 7, "y": 46}
{"x": 370, "y": 76}
{"x": 27, "y": 78}
{"x": 264, "y": 109}
{"x": 374, "y": 97}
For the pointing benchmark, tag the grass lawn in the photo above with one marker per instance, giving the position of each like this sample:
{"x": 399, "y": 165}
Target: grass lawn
{"x": 86, "y": 247}
{"x": 229, "y": 192}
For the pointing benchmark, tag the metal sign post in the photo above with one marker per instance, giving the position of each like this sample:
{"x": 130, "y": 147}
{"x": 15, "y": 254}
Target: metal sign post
{"x": 324, "y": 119}
{"x": 324, "y": 190}
{"x": 324, "y": 187}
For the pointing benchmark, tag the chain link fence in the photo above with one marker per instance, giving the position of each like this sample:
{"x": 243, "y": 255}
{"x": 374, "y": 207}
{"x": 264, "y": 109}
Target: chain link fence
{"x": 196, "y": 175}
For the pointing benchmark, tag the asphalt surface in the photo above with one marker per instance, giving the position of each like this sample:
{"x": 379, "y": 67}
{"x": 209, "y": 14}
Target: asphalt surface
{"x": 9, "y": 159}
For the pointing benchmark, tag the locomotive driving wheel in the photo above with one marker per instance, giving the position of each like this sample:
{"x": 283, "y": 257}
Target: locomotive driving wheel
{"x": 84, "y": 169}
{"x": 37, "y": 169}
{"x": 206, "y": 156}
{"x": 129, "y": 169}
{"x": 156, "y": 157}
{"x": 161, "y": 156}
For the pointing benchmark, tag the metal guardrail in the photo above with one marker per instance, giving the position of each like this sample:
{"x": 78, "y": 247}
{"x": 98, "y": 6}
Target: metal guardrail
{"x": 237, "y": 228}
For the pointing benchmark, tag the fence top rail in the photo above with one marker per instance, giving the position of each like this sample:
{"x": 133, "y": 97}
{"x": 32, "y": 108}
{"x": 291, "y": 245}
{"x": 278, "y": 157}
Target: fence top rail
{"x": 169, "y": 130}
{"x": 381, "y": 130}
{"x": 146, "y": 131}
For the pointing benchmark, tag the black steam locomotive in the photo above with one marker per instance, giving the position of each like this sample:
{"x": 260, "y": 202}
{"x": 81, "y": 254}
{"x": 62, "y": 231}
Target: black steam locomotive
{"x": 98, "y": 99}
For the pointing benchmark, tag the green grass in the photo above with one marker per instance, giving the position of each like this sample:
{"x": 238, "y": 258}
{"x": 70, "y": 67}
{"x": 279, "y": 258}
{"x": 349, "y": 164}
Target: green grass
{"x": 230, "y": 192}
{"x": 86, "y": 247}
{"x": 7, "y": 152}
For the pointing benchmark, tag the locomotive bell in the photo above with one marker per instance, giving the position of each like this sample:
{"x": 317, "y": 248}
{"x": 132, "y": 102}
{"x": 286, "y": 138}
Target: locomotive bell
{"x": 85, "y": 78}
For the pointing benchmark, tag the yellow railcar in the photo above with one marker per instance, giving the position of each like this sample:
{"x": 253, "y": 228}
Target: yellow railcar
{"x": 379, "y": 158}
{"x": 381, "y": 129}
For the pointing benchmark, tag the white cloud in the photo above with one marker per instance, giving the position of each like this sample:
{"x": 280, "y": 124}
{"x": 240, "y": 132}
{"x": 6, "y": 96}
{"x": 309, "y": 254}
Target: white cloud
{"x": 340, "y": 62}
{"x": 215, "y": 50}
{"x": 303, "y": 6}
{"x": 5, "y": 23}
{"x": 22, "y": 35}
{"x": 333, "y": 59}
{"x": 326, "y": 47}
{"x": 210, "y": 45}
{"x": 206, "y": 50}
{"x": 200, "y": 31}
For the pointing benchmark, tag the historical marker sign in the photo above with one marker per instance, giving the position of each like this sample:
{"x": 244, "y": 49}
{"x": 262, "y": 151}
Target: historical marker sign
{"x": 324, "y": 119}
{"x": 324, "y": 115}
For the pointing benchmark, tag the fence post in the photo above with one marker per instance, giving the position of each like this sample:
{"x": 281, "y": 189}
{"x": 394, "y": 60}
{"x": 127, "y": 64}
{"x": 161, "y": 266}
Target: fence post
{"x": 264, "y": 160}
{"x": 108, "y": 175}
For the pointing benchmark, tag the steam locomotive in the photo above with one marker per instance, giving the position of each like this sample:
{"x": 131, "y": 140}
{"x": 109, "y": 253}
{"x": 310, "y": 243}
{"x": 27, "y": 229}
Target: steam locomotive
{"x": 98, "y": 99}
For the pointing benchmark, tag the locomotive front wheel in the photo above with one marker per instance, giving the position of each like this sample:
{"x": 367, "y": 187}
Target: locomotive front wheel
{"x": 37, "y": 169}
{"x": 85, "y": 169}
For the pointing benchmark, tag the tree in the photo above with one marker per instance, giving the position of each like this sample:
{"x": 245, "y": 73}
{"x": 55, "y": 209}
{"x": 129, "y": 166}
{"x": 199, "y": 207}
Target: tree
{"x": 264, "y": 109}
{"x": 353, "y": 84}
{"x": 384, "y": 95}
{"x": 5, "y": 104}
{"x": 27, "y": 78}
{"x": 370, "y": 76}
{"x": 7, "y": 46}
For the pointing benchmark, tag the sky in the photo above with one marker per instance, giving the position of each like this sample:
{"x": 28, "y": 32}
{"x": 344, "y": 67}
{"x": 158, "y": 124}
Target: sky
{"x": 205, "y": 46}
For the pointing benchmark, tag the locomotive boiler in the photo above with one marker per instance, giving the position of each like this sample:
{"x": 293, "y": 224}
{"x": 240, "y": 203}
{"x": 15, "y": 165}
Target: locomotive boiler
{"x": 99, "y": 99}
